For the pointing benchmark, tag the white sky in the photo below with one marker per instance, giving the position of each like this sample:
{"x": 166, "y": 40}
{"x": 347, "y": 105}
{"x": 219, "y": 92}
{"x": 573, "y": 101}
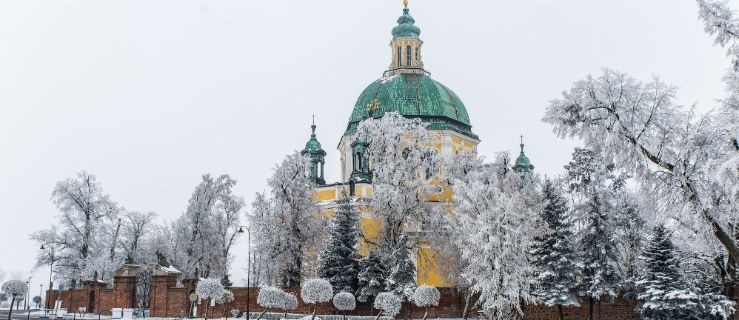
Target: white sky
{"x": 149, "y": 95}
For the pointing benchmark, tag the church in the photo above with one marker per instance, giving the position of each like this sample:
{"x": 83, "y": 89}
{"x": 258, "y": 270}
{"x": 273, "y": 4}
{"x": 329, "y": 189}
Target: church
{"x": 408, "y": 89}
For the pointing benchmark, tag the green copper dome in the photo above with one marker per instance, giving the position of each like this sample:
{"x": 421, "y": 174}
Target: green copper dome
{"x": 406, "y": 27}
{"x": 415, "y": 96}
{"x": 522, "y": 162}
{"x": 313, "y": 144}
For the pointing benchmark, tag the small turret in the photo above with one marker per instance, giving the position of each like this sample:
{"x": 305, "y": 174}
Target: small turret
{"x": 522, "y": 162}
{"x": 406, "y": 45}
{"x": 316, "y": 154}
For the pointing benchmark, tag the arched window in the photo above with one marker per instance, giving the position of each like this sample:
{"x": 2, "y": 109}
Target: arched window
{"x": 400, "y": 55}
{"x": 416, "y": 54}
{"x": 408, "y": 55}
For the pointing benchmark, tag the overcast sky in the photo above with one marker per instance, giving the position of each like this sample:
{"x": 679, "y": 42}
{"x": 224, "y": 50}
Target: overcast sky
{"x": 149, "y": 95}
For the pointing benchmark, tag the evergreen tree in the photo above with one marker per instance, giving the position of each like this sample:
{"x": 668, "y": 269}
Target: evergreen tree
{"x": 665, "y": 294}
{"x": 402, "y": 278}
{"x": 371, "y": 277}
{"x": 553, "y": 254}
{"x": 599, "y": 275}
{"x": 339, "y": 261}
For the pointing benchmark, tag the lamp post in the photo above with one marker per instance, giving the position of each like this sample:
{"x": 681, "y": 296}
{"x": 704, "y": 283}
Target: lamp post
{"x": 40, "y": 292}
{"x": 248, "y": 270}
{"x": 51, "y": 263}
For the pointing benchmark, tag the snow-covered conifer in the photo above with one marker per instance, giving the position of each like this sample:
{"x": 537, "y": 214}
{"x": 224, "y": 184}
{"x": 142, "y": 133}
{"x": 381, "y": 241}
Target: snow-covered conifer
{"x": 339, "y": 261}
{"x": 388, "y": 303}
{"x": 553, "y": 254}
{"x": 210, "y": 289}
{"x": 16, "y": 289}
{"x": 315, "y": 291}
{"x": 402, "y": 278}
{"x": 665, "y": 294}
{"x": 426, "y": 296}
{"x": 271, "y": 297}
{"x": 371, "y": 277}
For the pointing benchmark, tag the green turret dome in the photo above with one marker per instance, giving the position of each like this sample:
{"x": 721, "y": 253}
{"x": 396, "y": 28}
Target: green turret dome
{"x": 406, "y": 27}
{"x": 313, "y": 144}
{"x": 522, "y": 162}
{"x": 415, "y": 96}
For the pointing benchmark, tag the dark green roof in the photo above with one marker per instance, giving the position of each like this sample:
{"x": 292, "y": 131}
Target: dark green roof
{"x": 414, "y": 96}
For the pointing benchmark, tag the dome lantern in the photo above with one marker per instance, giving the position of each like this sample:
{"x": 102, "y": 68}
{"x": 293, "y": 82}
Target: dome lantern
{"x": 406, "y": 45}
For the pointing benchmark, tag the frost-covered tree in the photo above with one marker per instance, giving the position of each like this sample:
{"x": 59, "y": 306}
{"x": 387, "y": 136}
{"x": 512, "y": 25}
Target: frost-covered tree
{"x": 402, "y": 277}
{"x": 344, "y": 301}
{"x": 553, "y": 254}
{"x": 630, "y": 230}
{"x": 315, "y": 291}
{"x": 665, "y": 294}
{"x": 498, "y": 216}
{"x": 404, "y": 162}
{"x": 289, "y": 302}
{"x": 286, "y": 224}
{"x": 271, "y": 297}
{"x": 210, "y": 289}
{"x": 84, "y": 238}
{"x": 136, "y": 230}
{"x": 388, "y": 304}
{"x": 426, "y": 296}
{"x": 227, "y": 297}
{"x": 371, "y": 277}
{"x": 340, "y": 258}
{"x": 208, "y": 229}
{"x": 15, "y": 289}
{"x": 688, "y": 162}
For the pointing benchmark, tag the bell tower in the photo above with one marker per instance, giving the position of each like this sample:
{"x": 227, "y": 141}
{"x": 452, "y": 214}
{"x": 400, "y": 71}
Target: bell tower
{"x": 316, "y": 154}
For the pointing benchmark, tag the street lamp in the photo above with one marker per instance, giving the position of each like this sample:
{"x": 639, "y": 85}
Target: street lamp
{"x": 51, "y": 264}
{"x": 248, "y": 269}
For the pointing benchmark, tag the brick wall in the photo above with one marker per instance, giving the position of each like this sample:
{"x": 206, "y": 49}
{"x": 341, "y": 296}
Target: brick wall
{"x": 167, "y": 300}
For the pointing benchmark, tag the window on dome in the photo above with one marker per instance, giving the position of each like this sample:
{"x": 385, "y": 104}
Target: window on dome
{"x": 416, "y": 54}
{"x": 408, "y": 55}
{"x": 399, "y": 56}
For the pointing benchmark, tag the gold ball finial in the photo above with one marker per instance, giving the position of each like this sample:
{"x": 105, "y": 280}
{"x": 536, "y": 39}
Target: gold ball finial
{"x": 405, "y": 3}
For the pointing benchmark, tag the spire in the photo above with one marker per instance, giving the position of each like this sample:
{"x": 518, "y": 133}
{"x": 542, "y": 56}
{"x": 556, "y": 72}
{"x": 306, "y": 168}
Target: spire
{"x": 522, "y": 162}
{"x": 316, "y": 154}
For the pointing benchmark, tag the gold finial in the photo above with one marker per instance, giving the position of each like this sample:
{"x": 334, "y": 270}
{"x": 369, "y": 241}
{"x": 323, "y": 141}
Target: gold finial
{"x": 405, "y": 3}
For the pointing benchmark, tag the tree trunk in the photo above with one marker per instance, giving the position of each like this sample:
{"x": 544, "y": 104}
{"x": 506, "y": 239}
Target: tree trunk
{"x": 263, "y": 312}
{"x": 10, "y": 312}
{"x": 378, "y": 315}
{"x": 599, "y": 316}
{"x": 590, "y": 309}
{"x": 426, "y": 313}
{"x": 315, "y": 309}
{"x": 561, "y": 313}
{"x": 467, "y": 301}
{"x": 206, "y": 310}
